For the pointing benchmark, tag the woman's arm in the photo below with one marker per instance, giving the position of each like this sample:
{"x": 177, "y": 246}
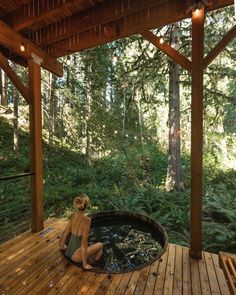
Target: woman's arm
{"x": 84, "y": 244}
{"x": 64, "y": 236}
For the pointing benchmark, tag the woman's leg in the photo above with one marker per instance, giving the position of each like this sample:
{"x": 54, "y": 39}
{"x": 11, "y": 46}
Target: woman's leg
{"x": 93, "y": 251}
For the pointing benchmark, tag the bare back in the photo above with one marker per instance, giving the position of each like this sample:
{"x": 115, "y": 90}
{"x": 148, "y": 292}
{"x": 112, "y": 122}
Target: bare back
{"x": 79, "y": 224}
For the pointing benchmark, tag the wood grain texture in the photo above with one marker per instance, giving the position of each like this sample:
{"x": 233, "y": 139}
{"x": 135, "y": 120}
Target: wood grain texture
{"x": 36, "y": 266}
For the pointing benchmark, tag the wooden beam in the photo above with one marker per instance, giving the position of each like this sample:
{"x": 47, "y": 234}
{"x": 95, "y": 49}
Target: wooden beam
{"x": 159, "y": 13}
{"x": 37, "y": 11}
{"x": 220, "y": 46}
{"x": 197, "y": 132}
{"x": 130, "y": 20}
{"x": 36, "y": 166}
{"x": 24, "y": 91}
{"x": 104, "y": 13}
{"x": 167, "y": 49}
{"x": 104, "y": 32}
{"x": 14, "y": 41}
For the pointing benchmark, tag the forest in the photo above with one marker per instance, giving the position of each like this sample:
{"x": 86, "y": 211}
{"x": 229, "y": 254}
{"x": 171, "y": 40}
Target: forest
{"x": 117, "y": 126}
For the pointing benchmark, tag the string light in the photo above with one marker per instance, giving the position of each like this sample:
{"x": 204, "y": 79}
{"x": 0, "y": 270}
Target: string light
{"x": 135, "y": 137}
{"x": 126, "y": 135}
{"x": 103, "y": 126}
{"x": 115, "y": 58}
{"x": 115, "y": 131}
{"x": 161, "y": 40}
{"x": 68, "y": 60}
{"x": 196, "y": 12}
{"x": 22, "y": 48}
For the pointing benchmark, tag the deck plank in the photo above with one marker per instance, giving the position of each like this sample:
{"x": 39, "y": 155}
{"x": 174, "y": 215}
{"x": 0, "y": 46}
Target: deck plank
{"x": 220, "y": 276}
{"x": 187, "y": 289}
{"x": 195, "y": 279}
{"x": 160, "y": 279}
{"x": 123, "y": 284}
{"x": 66, "y": 282}
{"x": 204, "y": 280}
{"x": 24, "y": 272}
{"x": 22, "y": 237}
{"x": 10, "y": 252}
{"x": 151, "y": 280}
{"x": 96, "y": 284}
{"x": 178, "y": 273}
{"x": 169, "y": 278}
{"x": 114, "y": 284}
{"x": 215, "y": 289}
{"x": 81, "y": 286}
{"x": 132, "y": 283}
{"x": 36, "y": 266}
{"x": 105, "y": 284}
{"x": 29, "y": 256}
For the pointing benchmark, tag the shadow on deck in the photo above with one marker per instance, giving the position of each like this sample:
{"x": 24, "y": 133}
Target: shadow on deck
{"x": 32, "y": 264}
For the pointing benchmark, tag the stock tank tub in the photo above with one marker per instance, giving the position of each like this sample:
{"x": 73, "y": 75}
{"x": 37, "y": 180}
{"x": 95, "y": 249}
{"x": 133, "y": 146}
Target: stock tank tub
{"x": 131, "y": 240}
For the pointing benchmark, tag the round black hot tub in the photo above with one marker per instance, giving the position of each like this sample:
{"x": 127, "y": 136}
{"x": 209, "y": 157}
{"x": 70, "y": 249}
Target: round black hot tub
{"x": 131, "y": 240}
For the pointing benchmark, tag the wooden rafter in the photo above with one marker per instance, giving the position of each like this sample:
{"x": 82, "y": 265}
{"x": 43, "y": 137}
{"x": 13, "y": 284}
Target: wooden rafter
{"x": 104, "y": 13}
{"x": 104, "y": 32}
{"x": 14, "y": 41}
{"x": 167, "y": 49}
{"x": 114, "y": 24}
{"x": 220, "y": 46}
{"x": 43, "y": 10}
{"x": 14, "y": 78}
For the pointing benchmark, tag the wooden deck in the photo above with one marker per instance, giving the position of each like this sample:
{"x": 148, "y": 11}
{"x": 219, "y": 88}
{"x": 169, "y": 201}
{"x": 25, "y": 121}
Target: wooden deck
{"x": 32, "y": 264}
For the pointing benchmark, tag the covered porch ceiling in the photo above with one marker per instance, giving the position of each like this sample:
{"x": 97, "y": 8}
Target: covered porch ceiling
{"x": 53, "y": 29}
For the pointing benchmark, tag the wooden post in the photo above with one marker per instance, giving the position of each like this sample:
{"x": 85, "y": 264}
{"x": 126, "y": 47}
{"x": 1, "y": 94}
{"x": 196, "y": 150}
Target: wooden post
{"x": 198, "y": 17}
{"x": 35, "y": 113}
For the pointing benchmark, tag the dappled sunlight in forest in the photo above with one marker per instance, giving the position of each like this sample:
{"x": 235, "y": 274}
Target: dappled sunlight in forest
{"x": 107, "y": 129}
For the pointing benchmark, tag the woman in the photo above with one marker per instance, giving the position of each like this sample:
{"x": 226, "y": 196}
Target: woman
{"x": 79, "y": 226}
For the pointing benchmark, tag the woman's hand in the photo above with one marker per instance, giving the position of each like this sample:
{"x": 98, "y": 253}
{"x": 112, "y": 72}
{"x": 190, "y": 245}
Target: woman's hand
{"x": 87, "y": 266}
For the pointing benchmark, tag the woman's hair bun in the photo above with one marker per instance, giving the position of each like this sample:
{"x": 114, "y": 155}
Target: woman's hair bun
{"x": 78, "y": 203}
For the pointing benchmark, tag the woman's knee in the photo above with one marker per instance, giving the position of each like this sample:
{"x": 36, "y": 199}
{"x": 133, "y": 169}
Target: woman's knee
{"x": 100, "y": 245}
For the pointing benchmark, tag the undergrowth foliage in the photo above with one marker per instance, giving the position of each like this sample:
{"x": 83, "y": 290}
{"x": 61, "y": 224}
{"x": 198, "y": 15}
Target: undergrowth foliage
{"x": 133, "y": 181}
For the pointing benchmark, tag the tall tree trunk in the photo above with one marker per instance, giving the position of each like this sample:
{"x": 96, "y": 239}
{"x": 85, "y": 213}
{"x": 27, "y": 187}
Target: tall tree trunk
{"x": 1, "y": 86}
{"x": 15, "y": 123}
{"x": 174, "y": 170}
{"x": 56, "y": 127}
{"x": 52, "y": 109}
{"x": 15, "y": 95}
{"x": 88, "y": 122}
{"x": 138, "y": 98}
{"x": 3, "y": 89}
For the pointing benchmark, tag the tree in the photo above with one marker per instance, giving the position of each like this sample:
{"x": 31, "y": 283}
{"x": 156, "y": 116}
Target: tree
{"x": 174, "y": 178}
{"x": 4, "y": 84}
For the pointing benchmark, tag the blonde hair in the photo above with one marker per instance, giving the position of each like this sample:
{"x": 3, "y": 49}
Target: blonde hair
{"x": 80, "y": 203}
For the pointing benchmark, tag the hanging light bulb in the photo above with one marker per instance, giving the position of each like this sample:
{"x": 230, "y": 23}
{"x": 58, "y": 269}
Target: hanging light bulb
{"x": 22, "y": 48}
{"x": 115, "y": 58}
{"x": 161, "y": 40}
{"x": 196, "y": 12}
{"x": 68, "y": 60}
